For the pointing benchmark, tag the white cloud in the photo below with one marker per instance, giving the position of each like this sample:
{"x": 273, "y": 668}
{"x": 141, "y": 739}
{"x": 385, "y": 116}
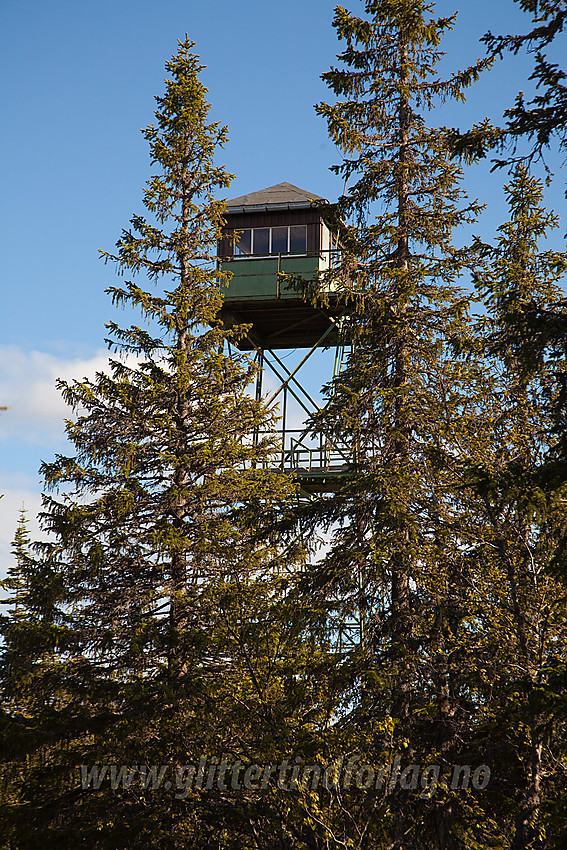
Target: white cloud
{"x": 27, "y": 387}
{"x": 35, "y": 417}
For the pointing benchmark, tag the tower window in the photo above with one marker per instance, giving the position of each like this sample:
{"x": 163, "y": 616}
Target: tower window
{"x": 264, "y": 241}
{"x": 243, "y": 243}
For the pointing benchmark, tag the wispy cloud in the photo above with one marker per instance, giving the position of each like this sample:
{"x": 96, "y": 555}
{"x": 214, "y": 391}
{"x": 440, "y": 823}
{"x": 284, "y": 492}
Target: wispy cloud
{"x": 35, "y": 418}
{"x": 27, "y": 387}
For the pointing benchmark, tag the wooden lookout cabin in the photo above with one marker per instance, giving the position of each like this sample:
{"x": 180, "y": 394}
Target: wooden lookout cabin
{"x": 268, "y": 234}
{"x": 278, "y": 229}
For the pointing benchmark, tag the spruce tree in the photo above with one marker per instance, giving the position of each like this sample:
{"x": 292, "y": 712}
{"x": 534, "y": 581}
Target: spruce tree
{"x": 443, "y": 568}
{"x": 397, "y": 403}
{"x": 520, "y": 518}
{"x": 159, "y": 629}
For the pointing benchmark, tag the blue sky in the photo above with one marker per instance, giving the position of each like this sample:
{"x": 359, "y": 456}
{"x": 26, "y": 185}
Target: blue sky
{"x": 79, "y": 81}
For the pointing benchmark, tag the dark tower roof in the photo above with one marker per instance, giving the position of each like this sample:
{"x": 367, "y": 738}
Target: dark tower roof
{"x": 279, "y": 197}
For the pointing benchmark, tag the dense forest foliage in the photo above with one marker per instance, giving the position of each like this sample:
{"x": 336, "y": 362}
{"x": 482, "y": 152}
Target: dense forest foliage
{"x": 174, "y": 671}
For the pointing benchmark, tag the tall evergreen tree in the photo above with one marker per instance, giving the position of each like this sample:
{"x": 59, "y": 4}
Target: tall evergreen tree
{"x": 520, "y": 516}
{"x": 397, "y": 403}
{"x": 459, "y": 627}
{"x": 154, "y": 624}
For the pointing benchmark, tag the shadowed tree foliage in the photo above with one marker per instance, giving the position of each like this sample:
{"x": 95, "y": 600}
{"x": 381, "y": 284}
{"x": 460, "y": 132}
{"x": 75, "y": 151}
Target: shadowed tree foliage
{"x": 516, "y": 521}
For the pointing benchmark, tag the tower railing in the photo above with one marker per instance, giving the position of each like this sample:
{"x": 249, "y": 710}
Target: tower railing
{"x": 298, "y": 454}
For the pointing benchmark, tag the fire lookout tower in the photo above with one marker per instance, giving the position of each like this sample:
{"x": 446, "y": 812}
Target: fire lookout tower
{"x": 273, "y": 239}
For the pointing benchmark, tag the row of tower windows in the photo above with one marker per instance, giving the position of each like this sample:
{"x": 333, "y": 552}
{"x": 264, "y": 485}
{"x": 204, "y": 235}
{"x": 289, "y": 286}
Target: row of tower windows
{"x": 263, "y": 241}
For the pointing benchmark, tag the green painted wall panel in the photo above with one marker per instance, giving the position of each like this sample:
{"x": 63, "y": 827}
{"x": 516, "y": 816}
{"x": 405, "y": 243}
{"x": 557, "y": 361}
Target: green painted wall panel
{"x": 257, "y": 279}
